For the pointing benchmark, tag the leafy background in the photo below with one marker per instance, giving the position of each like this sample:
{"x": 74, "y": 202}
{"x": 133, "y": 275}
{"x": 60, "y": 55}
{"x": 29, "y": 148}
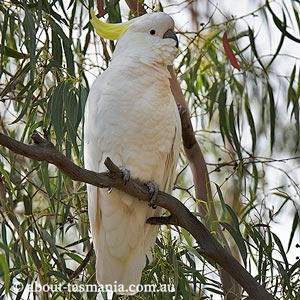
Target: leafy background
{"x": 246, "y": 121}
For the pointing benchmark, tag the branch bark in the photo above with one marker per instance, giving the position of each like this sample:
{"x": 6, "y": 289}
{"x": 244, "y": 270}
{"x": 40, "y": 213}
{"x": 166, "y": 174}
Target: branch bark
{"x": 43, "y": 150}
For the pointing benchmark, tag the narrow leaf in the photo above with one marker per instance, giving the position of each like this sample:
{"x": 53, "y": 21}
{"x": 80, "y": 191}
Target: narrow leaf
{"x": 294, "y": 227}
{"x": 272, "y": 115}
{"x": 238, "y": 240}
{"x": 57, "y": 113}
{"x": 223, "y": 114}
{"x": 100, "y": 7}
{"x": 296, "y": 14}
{"x": 281, "y": 249}
{"x": 30, "y": 41}
{"x": 280, "y": 44}
{"x": 56, "y": 49}
{"x": 223, "y": 204}
{"x": 49, "y": 240}
{"x": 229, "y": 53}
{"x": 7, "y": 179}
{"x": 193, "y": 251}
{"x": 281, "y": 25}
{"x": 13, "y": 53}
{"x": 291, "y": 92}
{"x": 5, "y": 269}
{"x": 251, "y": 123}
{"x": 237, "y": 235}
{"x": 234, "y": 133}
{"x": 187, "y": 237}
{"x": 253, "y": 47}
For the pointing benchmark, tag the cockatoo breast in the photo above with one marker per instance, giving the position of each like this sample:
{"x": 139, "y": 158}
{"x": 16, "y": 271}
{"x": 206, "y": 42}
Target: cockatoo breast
{"x": 134, "y": 119}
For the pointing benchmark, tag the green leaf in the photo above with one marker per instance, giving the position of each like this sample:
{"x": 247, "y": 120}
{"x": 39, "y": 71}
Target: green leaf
{"x": 296, "y": 15}
{"x": 223, "y": 114}
{"x": 281, "y": 25}
{"x": 56, "y": 49}
{"x": 272, "y": 114}
{"x": 235, "y": 138}
{"x": 18, "y": 77}
{"x": 251, "y": 123}
{"x": 187, "y": 237}
{"x": 193, "y": 251}
{"x": 57, "y": 29}
{"x": 238, "y": 240}
{"x": 236, "y": 233}
{"x": 281, "y": 249}
{"x": 212, "y": 96}
{"x": 58, "y": 275}
{"x": 30, "y": 41}
{"x": 274, "y": 56}
{"x": 46, "y": 180}
{"x": 28, "y": 205}
{"x": 293, "y": 230}
{"x": 25, "y": 107}
{"x": 47, "y": 237}
{"x": 285, "y": 277}
{"x": 253, "y": 47}
{"x": 7, "y": 179}
{"x": 66, "y": 46}
{"x": 176, "y": 269}
{"x": 223, "y": 204}
{"x": 13, "y": 53}
{"x": 77, "y": 242}
{"x": 72, "y": 113}
{"x": 291, "y": 92}
{"x": 4, "y": 268}
{"x": 57, "y": 112}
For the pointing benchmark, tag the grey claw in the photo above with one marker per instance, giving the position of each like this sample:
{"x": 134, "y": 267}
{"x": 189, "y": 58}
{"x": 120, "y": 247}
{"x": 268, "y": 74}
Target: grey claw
{"x": 126, "y": 175}
{"x": 182, "y": 110}
{"x": 153, "y": 191}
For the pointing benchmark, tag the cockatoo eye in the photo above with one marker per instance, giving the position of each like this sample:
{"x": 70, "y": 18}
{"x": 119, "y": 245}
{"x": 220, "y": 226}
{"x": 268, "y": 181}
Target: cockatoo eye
{"x": 152, "y": 32}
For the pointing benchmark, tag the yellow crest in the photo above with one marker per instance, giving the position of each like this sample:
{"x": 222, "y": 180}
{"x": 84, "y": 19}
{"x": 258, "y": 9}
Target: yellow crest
{"x": 109, "y": 31}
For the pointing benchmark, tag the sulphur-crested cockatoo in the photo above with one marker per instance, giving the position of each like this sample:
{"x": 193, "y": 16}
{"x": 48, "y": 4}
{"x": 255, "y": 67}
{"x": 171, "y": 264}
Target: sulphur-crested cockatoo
{"x": 131, "y": 117}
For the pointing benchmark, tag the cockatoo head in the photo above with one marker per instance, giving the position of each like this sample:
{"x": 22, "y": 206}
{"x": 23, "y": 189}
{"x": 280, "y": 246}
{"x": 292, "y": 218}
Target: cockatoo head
{"x": 149, "y": 38}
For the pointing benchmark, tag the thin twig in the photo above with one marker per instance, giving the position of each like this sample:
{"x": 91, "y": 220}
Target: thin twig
{"x": 81, "y": 267}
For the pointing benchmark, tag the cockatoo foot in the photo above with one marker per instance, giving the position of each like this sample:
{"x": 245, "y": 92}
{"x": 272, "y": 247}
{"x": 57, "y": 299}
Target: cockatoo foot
{"x": 182, "y": 110}
{"x": 153, "y": 191}
{"x": 125, "y": 175}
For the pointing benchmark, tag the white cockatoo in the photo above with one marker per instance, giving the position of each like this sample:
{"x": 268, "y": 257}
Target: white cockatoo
{"x": 131, "y": 117}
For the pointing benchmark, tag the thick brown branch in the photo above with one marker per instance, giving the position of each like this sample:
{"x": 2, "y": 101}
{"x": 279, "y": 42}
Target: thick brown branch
{"x": 43, "y": 150}
{"x": 200, "y": 178}
{"x": 209, "y": 247}
{"x": 168, "y": 220}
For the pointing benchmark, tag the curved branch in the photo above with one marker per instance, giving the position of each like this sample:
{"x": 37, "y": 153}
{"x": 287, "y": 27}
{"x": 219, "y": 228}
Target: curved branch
{"x": 201, "y": 179}
{"x": 43, "y": 150}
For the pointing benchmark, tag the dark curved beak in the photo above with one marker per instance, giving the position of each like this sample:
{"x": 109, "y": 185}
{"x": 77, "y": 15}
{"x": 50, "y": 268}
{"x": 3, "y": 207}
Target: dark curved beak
{"x": 170, "y": 34}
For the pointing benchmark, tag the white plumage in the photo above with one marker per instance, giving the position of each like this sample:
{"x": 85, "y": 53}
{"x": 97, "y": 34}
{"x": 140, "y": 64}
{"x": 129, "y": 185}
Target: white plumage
{"x": 132, "y": 118}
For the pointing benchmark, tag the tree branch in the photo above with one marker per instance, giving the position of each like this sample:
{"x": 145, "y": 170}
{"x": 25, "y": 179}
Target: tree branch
{"x": 43, "y": 150}
{"x": 83, "y": 264}
{"x": 201, "y": 179}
